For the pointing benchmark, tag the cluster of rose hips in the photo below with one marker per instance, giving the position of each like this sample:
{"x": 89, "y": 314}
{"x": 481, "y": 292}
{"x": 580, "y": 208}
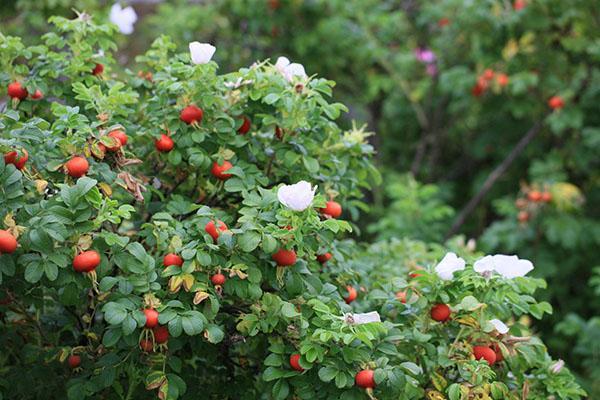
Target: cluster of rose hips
{"x": 486, "y": 79}
{"x": 532, "y": 200}
{"x": 492, "y": 353}
{"x": 489, "y": 77}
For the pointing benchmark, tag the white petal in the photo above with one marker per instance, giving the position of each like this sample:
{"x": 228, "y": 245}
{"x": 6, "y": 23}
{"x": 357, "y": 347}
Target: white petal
{"x": 281, "y": 63}
{"x": 201, "y": 53}
{"x": 449, "y": 265}
{"x": 293, "y": 70}
{"x": 297, "y": 197}
{"x": 499, "y": 326}
{"x": 485, "y": 264}
{"x": 126, "y": 29}
{"x": 124, "y": 18}
{"x": 510, "y": 266}
{"x": 363, "y": 318}
{"x": 128, "y": 14}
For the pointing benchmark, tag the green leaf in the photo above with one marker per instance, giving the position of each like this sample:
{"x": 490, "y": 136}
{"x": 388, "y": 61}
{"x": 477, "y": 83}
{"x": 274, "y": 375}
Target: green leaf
{"x": 327, "y": 374}
{"x": 248, "y": 241}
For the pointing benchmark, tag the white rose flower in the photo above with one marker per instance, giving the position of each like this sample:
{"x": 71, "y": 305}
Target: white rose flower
{"x": 201, "y": 53}
{"x": 297, "y": 197}
{"x": 124, "y": 18}
{"x": 507, "y": 266}
{"x": 449, "y": 265}
{"x": 281, "y": 63}
{"x": 363, "y": 318}
{"x": 511, "y": 266}
{"x": 499, "y": 326}
{"x": 485, "y": 264}
{"x": 289, "y": 70}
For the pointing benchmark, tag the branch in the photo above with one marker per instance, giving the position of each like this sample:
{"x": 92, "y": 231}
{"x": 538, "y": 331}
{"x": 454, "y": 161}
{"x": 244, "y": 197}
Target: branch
{"x": 493, "y": 177}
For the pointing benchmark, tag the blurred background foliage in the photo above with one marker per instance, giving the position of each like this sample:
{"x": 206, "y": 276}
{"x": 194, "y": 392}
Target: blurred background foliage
{"x": 454, "y": 89}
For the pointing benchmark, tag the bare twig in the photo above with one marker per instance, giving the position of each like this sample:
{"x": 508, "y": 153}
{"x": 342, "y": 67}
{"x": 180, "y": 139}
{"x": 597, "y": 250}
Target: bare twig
{"x": 493, "y": 177}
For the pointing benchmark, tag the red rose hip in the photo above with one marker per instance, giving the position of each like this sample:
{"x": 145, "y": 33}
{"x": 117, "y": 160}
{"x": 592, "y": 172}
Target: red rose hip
{"x": 352, "y": 294}
{"x": 86, "y": 261}
{"x": 17, "y": 91}
{"x": 323, "y": 258}
{"x": 440, "y": 312}
{"x": 146, "y": 345}
{"x": 191, "y": 115}
{"x": 37, "y": 95}
{"x": 285, "y": 258}
{"x": 484, "y": 353}
{"x": 13, "y": 157}
{"x": 164, "y": 144}
{"x": 365, "y": 379}
{"x": 77, "y": 167}
{"x": 245, "y": 128}
{"x": 74, "y": 361}
{"x": 332, "y": 209}
{"x": 172, "y": 259}
{"x": 98, "y": 69}
{"x": 294, "y": 362}
{"x": 8, "y": 243}
{"x": 214, "y": 230}
{"x": 161, "y": 334}
{"x": 556, "y": 102}
{"x": 119, "y": 135}
{"x": 218, "y": 171}
{"x": 218, "y": 279}
{"x": 151, "y": 318}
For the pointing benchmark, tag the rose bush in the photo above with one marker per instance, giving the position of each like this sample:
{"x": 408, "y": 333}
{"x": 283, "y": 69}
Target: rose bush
{"x": 174, "y": 232}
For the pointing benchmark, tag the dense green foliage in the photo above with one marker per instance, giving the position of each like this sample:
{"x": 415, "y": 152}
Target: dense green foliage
{"x": 441, "y": 118}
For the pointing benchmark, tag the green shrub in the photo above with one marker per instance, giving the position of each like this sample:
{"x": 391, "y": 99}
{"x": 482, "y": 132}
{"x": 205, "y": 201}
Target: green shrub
{"x": 121, "y": 173}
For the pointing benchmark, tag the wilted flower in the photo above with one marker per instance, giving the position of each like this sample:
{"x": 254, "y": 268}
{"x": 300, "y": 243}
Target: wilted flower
{"x": 124, "y": 18}
{"x": 201, "y": 53}
{"x": 237, "y": 84}
{"x": 449, "y": 265}
{"x": 297, "y": 197}
{"x": 289, "y": 70}
{"x": 507, "y": 266}
{"x": 557, "y": 366}
{"x": 499, "y": 326}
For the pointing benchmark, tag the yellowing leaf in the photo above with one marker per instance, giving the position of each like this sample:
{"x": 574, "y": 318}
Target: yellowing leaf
{"x": 510, "y": 50}
{"x": 199, "y": 297}
{"x": 84, "y": 242}
{"x": 188, "y": 281}
{"x": 226, "y": 154}
{"x": 9, "y": 221}
{"x": 240, "y": 274}
{"x": 176, "y": 243}
{"x": 439, "y": 382}
{"x": 435, "y": 395}
{"x": 468, "y": 320}
{"x": 106, "y": 189}
{"x": 175, "y": 284}
{"x": 40, "y": 185}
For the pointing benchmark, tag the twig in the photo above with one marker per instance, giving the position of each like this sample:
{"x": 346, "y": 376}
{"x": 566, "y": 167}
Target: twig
{"x": 493, "y": 177}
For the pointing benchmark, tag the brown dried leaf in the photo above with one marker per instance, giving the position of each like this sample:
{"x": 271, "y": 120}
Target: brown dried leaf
{"x": 132, "y": 185}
